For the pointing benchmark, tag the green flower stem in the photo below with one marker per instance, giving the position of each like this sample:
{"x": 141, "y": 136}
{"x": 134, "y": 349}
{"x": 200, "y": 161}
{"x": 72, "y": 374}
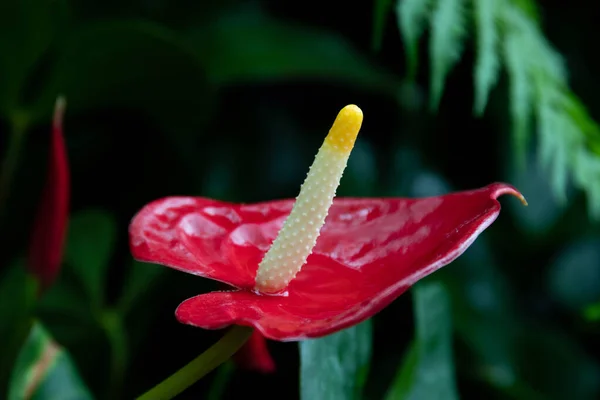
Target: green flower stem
{"x": 200, "y": 366}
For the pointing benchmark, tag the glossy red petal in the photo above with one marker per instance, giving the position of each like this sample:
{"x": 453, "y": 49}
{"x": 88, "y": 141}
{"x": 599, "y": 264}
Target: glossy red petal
{"x": 254, "y": 355}
{"x": 370, "y": 251}
{"x": 205, "y": 237}
{"x": 50, "y": 226}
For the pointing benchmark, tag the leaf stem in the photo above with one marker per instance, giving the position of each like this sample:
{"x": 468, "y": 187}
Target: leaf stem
{"x": 219, "y": 383}
{"x": 112, "y": 323}
{"x": 200, "y": 366}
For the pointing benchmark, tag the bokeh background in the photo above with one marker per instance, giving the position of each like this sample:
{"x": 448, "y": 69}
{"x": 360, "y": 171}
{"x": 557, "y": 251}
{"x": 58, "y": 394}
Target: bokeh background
{"x": 231, "y": 100}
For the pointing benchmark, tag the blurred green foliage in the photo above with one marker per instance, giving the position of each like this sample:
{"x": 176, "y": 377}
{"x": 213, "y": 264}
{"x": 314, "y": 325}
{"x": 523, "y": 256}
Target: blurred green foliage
{"x": 428, "y": 367}
{"x": 336, "y": 366}
{"x": 231, "y": 100}
{"x": 45, "y": 371}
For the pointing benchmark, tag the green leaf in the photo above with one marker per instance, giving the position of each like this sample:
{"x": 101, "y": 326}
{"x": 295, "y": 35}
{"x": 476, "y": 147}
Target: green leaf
{"x": 487, "y": 64}
{"x": 412, "y": 16}
{"x": 336, "y": 366}
{"x": 121, "y": 63}
{"x": 265, "y": 54}
{"x": 44, "y": 370}
{"x": 27, "y": 29}
{"x": 381, "y": 9}
{"x": 139, "y": 281}
{"x": 91, "y": 239}
{"x": 220, "y": 382}
{"x": 487, "y": 322}
{"x": 484, "y": 317}
{"x": 446, "y": 45}
{"x": 429, "y": 373}
{"x": 137, "y": 66}
{"x": 66, "y": 308}
{"x": 403, "y": 382}
{"x": 114, "y": 328}
{"x": 66, "y": 296}
{"x": 18, "y": 291}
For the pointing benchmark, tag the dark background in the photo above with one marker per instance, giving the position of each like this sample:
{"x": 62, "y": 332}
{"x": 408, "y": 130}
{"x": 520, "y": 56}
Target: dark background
{"x": 157, "y": 106}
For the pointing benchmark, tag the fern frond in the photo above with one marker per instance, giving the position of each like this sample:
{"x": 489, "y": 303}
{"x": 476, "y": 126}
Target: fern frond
{"x": 541, "y": 57}
{"x": 558, "y": 138}
{"x": 530, "y": 61}
{"x": 445, "y": 48}
{"x": 566, "y": 133}
{"x": 585, "y": 164}
{"x": 568, "y": 138}
{"x": 487, "y": 64}
{"x": 520, "y": 91}
{"x": 529, "y": 7}
{"x": 587, "y": 176}
{"x": 412, "y": 16}
{"x": 575, "y": 108}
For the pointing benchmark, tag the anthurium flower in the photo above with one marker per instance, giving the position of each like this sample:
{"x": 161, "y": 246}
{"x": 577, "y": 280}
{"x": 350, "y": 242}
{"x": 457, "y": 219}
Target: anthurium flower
{"x": 306, "y": 268}
{"x": 49, "y": 230}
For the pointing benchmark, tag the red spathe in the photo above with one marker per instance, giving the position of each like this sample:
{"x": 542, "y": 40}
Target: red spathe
{"x": 370, "y": 251}
{"x": 50, "y": 226}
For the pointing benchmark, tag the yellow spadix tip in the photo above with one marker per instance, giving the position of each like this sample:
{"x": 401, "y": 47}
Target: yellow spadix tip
{"x": 344, "y": 131}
